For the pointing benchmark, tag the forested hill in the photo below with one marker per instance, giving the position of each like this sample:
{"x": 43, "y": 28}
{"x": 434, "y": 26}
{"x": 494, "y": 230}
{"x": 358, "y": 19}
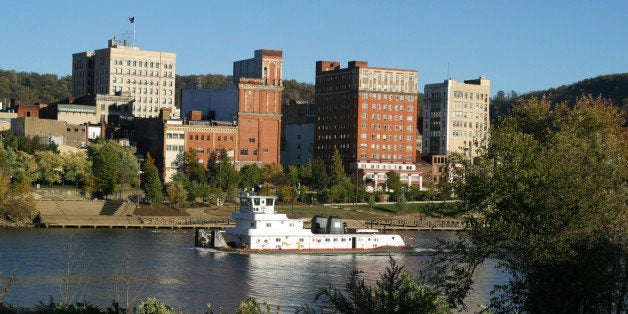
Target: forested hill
{"x": 613, "y": 87}
{"x": 31, "y": 87}
{"x": 292, "y": 89}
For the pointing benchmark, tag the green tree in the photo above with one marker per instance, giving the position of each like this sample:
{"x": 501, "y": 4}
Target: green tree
{"x": 395, "y": 292}
{"x": 192, "y": 168}
{"x": 177, "y": 194}
{"x": 393, "y": 182}
{"x": 337, "y": 172}
{"x": 251, "y": 176}
{"x": 50, "y": 166}
{"x": 550, "y": 204}
{"x": 320, "y": 177}
{"x": 151, "y": 182}
{"x": 104, "y": 156}
{"x": 77, "y": 167}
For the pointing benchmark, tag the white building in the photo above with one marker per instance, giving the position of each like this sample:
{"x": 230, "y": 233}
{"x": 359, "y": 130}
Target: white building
{"x": 456, "y": 116}
{"x": 147, "y": 76}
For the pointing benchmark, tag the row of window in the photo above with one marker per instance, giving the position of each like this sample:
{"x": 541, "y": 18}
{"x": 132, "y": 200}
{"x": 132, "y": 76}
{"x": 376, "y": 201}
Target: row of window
{"x": 478, "y": 125}
{"x": 245, "y": 151}
{"x": 394, "y": 147}
{"x": 464, "y": 114}
{"x": 380, "y": 96}
{"x": 460, "y": 105}
{"x": 460, "y": 133}
{"x": 385, "y": 137}
{"x": 387, "y": 156}
{"x": 136, "y": 82}
{"x": 386, "y": 107}
{"x": 468, "y": 95}
{"x": 145, "y": 64}
{"x": 174, "y": 148}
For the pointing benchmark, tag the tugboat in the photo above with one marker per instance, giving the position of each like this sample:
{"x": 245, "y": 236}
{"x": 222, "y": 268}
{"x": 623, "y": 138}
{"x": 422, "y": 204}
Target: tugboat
{"x": 259, "y": 228}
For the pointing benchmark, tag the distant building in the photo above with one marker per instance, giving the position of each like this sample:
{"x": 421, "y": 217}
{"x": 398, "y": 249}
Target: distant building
{"x": 297, "y": 133}
{"x": 119, "y": 69}
{"x": 253, "y": 103}
{"x": 456, "y": 117}
{"x": 369, "y": 114}
{"x": 5, "y": 120}
{"x": 59, "y": 132}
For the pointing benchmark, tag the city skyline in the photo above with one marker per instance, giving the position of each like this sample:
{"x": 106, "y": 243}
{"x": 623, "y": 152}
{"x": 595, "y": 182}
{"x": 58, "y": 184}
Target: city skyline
{"x": 526, "y": 46}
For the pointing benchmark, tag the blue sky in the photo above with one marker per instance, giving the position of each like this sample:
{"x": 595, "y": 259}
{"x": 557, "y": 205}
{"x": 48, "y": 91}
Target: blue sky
{"x": 519, "y": 45}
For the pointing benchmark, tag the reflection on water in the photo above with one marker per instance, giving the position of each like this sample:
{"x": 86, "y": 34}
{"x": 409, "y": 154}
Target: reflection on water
{"x": 163, "y": 264}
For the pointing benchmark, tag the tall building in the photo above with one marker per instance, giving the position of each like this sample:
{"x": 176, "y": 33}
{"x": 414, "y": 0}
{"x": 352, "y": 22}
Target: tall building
{"x": 456, "y": 117}
{"x": 297, "y": 133}
{"x": 369, "y": 114}
{"x": 147, "y": 76}
{"x": 252, "y": 102}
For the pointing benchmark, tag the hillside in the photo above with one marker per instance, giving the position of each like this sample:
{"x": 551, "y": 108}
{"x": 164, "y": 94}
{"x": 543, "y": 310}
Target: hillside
{"x": 613, "y": 87}
{"x": 292, "y": 89}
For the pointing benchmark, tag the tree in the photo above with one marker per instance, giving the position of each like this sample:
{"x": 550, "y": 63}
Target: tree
{"x": 50, "y": 166}
{"x": 104, "y": 156}
{"x": 251, "y": 176}
{"x": 192, "y": 168}
{"x": 550, "y": 206}
{"x": 395, "y": 292}
{"x": 16, "y": 201}
{"x": 320, "y": 177}
{"x": 176, "y": 193}
{"x": 393, "y": 182}
{"x": 151, "y": 182}
{"x": 76, "y": 166}
{"x": 274, "y": 174}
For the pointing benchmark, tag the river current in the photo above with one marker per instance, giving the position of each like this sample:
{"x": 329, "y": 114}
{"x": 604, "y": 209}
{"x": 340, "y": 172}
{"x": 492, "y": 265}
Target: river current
{"x": 164, "y": 264}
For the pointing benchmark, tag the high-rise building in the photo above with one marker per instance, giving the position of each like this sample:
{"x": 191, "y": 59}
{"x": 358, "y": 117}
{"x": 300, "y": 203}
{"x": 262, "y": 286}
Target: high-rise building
{"x": 369, "y": 114}
{"x": 252, "y": 102}
{"x": 456, "y": 117}
{"x": 120, "y": 69}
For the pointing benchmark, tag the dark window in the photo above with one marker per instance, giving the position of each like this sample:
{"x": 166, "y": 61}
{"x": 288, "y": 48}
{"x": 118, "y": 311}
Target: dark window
{"x": 244, "y": 151}
{"x": 251, "y": 140}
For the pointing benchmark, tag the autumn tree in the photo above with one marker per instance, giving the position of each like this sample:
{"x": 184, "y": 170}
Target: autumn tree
{"x": 550, "y": 204}
{"x": 50, "y": 166}
{"x": 76, "y": 166}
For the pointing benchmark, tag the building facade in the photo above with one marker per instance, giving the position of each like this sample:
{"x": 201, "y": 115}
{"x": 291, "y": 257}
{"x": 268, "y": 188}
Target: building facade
{"x": 59, "y": 132}
{"x": 253, "y": 103}
{"x": 369, "y": 114}
{"x": 456, "y": 117}
{"x": 204, "y": 137}
{"x": 297, "y": 133}
{"x": 147, "y": 76}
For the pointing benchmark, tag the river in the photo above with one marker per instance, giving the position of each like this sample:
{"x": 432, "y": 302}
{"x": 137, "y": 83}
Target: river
{"x": 164, "y": 264}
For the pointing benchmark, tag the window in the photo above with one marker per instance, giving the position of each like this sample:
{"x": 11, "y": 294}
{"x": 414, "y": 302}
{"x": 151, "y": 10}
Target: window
{"x": 244, "y": 151}
{"x": 251, "y": 140}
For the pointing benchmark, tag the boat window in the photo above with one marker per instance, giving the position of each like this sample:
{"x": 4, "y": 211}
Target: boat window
{"x": 300, "y": 239}
{"x": 277, "y": 239}
{"x": 326, "y": 239}
{"x": 335, "y": 239}
{"x": 269, "y": 201}
{"x": 245, "y": 202}
{"x": 256, "y": 201}
{"x": 268, "y": 224}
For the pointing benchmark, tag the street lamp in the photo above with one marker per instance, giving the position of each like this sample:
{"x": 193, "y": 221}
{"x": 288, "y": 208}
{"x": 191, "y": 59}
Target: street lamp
{"x": 139, "y": 183}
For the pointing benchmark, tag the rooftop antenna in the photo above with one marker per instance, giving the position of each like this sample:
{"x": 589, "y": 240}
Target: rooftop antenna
{"x": 448, "y": 77}
{"x": 132, "y": 20}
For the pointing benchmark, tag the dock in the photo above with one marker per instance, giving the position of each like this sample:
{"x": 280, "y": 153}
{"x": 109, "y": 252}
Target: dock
{"x": 106, "y": 214}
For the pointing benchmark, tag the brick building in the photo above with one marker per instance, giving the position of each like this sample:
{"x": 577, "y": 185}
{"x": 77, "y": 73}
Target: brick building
{"x": 252, "y": 102}
{"x": 369, "y": 114}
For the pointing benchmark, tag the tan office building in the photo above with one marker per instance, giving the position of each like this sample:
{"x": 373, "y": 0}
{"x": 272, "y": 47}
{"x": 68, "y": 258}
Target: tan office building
{"x": 456, "y": 117}
{"x": 147, "y": 76}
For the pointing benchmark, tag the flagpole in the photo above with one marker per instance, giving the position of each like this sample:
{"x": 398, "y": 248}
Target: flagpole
{"x": 134, "y": 31}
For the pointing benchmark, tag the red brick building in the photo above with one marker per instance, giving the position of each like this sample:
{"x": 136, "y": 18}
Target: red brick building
{"x": 370, "y": 115}
{"x": 260, "y": 88}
